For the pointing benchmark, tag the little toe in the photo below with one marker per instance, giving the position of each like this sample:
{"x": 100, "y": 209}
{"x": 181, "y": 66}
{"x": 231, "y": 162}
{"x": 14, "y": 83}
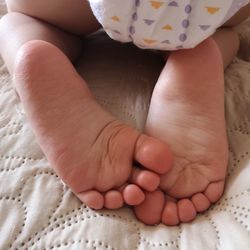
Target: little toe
{"x": 153, "y": 154}
{"x": 147, "y": 180}
{"x": 186, "y": 210}
{"x": 150, "y": 210}
{"x": 133, "y": 195}
{"x": 201, "y": 202}
{"x": 92, "y": 199}
{"x": 113, "y": 199}
{"x": 170, "y": 214}
{"x": 214, "y": 191}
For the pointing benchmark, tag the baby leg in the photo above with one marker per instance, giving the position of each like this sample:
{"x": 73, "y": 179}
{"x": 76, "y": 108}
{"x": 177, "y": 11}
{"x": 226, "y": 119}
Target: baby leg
{"x": 187, "y": 111}
{"x": 88, "y": 148}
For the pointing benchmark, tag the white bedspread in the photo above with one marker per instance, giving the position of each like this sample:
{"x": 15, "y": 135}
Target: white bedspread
{"x": 38, "y": 212}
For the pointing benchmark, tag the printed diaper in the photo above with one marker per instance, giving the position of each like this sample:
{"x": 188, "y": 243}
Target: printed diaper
{"x": 163, "y": 24}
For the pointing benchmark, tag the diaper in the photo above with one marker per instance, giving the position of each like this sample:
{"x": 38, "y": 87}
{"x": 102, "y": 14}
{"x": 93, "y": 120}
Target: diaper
{"x": 163, "y": 24}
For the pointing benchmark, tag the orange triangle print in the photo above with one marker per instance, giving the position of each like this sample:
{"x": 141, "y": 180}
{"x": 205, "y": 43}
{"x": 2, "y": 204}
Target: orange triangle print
{"x": 115, "y": 18}
{"x": 149, "y": 41}
{"x": 212, "y": 10}
{"x": 167, "y": 27}
{"x": 156, "y": 4}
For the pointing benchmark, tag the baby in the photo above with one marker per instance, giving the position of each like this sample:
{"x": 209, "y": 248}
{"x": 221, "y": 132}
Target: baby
{"x": 184, "y": 150}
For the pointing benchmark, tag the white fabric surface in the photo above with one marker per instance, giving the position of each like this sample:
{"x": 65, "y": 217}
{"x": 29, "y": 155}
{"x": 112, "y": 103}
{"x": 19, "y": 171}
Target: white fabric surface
{"x": 163, "y": 25}
{"x": 38, "y": 212}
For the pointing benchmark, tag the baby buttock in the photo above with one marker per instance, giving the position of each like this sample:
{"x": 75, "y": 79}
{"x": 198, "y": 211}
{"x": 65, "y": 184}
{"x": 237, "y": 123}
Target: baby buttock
{"x": 163, "y": 24}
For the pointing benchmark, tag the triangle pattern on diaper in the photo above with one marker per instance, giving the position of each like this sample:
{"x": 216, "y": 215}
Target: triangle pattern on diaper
{"x": 156, "y": 4}
{"x": 173, "y": 4}
{"x": 205, "y": 27}
{"x": 149, "y": 41}
{"x": 167, "y": 27}
{"x": 149, "y": 22}
{"x": 115, "y": 18}
{"x": 212, "y": 10}
{"x": 166, "y": 41}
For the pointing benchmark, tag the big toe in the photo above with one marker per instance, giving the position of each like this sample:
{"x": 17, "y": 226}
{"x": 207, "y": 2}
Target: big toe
{"x": 150, "y": 210}
{"x": 153, "y": 154}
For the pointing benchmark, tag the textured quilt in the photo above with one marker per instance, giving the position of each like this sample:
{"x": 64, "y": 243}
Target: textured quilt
{"x": 38, "y": 212}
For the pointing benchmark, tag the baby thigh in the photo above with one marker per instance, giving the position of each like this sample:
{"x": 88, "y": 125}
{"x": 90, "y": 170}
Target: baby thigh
{"x": 226, "y": 33}
{"x": 239, "y": 17}
{"x": 72, "y": 16}
{"x": 59, "y": 22}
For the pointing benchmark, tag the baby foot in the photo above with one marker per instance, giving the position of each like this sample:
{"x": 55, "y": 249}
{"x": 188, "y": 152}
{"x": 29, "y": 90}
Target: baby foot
{"x": 89, "y": 149}
{"x": 187, "y": 112}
